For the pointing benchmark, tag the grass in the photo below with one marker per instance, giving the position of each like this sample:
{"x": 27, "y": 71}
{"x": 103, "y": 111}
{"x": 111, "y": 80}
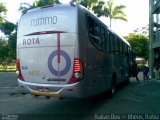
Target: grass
{"x": 140, "y": 66}
{"x": 9, "y": 68}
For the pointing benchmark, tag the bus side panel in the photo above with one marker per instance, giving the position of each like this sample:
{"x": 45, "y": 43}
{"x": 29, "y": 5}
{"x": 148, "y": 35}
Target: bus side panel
{"x": 108, "y": 70}
{"x": 121, "y": 68}
{"x": 81, "y": 45}
{"x": 93, "y": 60}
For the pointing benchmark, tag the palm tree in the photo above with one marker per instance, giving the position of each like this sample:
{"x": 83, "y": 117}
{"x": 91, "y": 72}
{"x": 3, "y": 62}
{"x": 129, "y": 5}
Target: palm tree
{"x": 37, "y": 3}
{"x": 89, "y": 4}
{"x": 109, "y": 10}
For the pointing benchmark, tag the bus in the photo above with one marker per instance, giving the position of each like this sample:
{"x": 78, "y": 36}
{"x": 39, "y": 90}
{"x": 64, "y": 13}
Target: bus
{"x": 65, "y": 51}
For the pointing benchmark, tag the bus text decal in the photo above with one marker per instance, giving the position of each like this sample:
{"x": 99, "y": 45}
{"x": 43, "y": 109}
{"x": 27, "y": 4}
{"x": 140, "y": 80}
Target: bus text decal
{"x": 44, "y": 21}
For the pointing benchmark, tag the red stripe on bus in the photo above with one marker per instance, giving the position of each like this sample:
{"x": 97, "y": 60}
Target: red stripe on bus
{"x": 45, "y": 32}
{"x": 58, "y": 46}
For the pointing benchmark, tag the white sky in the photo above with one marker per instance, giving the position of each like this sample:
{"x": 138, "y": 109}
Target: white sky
{"x": 137, "y": 12}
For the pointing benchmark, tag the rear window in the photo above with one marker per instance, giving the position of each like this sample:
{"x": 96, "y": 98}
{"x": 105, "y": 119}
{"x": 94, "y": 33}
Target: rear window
{"x": 48, "y": 19}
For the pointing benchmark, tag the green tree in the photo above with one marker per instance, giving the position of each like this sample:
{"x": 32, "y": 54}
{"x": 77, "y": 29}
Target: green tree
{"x": 89, "y": 4}
{"x": 7, "y": 28}
{"x": 7, "y": 48}
{"x": 4, "y": 50}
{"x": 3, "y": 11}
{"x": 4, "y": 47}
{"x": 108, "y": 9}
{"x": 12, "y": 46}
{"x": 39, "y": 3}
{"x": 139, "y": 44}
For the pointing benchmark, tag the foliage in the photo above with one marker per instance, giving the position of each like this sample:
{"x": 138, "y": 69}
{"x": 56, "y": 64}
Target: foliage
{"x": 90, "y": 4}
{"x": 7, "y": 27}
{"x": 3, "y": 11}
{"x": 8, "y": 48}
{"x": 108, "y": 9}
{"x": 140, "y": 67}
{"x": 4, "y": 50}
{"x": 7, "y": 53}
{"x": 7, "y": 68}
{"x": 37, "y": 3}
{"x": 139, "y": 44}
{"x": 12, "y": 46}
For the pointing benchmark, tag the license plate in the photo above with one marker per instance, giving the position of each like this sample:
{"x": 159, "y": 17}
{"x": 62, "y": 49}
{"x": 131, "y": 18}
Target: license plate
{"x": 43, "y": 89}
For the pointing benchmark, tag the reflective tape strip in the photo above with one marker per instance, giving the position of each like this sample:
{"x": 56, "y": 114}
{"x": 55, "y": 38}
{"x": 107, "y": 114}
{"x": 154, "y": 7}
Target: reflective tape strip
{"x": 51, "y": 94}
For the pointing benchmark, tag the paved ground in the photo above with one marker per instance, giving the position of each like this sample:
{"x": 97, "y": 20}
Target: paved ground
{"x": 140, "y": 98}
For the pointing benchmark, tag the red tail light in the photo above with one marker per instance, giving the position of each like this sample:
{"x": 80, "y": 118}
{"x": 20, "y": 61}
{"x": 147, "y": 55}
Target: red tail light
{"x": 19, "y": 74}
{"x": 77, "y": 71}
{"x": 77, "y": 65}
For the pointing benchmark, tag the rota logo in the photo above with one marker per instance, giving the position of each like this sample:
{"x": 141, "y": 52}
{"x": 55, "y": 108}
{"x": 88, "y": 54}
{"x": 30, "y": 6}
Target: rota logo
{"x": 31, "y": 41}
{"x": 58, "y": 72}
{"x": 57, "y": 54}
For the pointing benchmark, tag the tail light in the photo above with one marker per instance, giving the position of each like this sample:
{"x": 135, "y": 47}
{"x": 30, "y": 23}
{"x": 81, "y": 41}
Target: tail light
{"x": 19, "y": 74}
{"x": 77, "y": 71}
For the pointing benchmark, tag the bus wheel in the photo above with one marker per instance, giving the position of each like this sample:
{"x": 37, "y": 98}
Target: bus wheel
{"x": 127, "y": 81}
{"x": 47, "y": 97}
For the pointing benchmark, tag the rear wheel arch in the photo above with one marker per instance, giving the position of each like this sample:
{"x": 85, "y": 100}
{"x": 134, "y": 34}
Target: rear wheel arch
{"x": 114, "y": 78}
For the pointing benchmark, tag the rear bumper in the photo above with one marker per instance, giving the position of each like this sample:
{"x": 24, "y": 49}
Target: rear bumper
{"x": 76, "y": 90}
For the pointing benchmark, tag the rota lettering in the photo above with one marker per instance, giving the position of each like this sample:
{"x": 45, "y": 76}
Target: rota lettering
{"x": 31, "y": 41}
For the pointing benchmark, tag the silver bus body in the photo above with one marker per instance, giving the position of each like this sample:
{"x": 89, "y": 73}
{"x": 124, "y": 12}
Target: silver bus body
{"x": 59, "y": 56}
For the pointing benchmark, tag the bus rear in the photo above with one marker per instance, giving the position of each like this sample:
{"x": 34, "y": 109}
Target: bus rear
{"x": 48, "y": 62}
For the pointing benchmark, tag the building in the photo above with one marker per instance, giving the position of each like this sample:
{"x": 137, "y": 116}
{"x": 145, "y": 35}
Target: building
{"x": 154, "y": 35}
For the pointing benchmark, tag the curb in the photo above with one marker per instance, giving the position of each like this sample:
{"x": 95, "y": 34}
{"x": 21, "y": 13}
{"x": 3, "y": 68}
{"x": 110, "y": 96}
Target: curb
{"x": 155, "y": 80}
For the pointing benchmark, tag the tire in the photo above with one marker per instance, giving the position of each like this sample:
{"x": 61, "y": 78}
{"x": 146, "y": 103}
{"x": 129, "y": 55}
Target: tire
{"x": 127, "y": 81}
{"x": 47, "y": 97}
{"x": 36, "y": 95}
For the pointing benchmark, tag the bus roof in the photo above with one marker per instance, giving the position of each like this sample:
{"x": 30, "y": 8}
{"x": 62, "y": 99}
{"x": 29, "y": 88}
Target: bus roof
{"x": 50, "y": 18}
{"x": 48, "y": 6}
{"x": 66, "y": 6}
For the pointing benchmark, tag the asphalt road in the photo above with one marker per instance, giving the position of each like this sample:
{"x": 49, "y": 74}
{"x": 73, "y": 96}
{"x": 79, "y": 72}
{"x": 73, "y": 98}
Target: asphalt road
{"x": 135, "y": 100}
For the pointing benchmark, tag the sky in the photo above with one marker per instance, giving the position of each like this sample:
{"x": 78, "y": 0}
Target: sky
{"x": 137, "y": 12}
